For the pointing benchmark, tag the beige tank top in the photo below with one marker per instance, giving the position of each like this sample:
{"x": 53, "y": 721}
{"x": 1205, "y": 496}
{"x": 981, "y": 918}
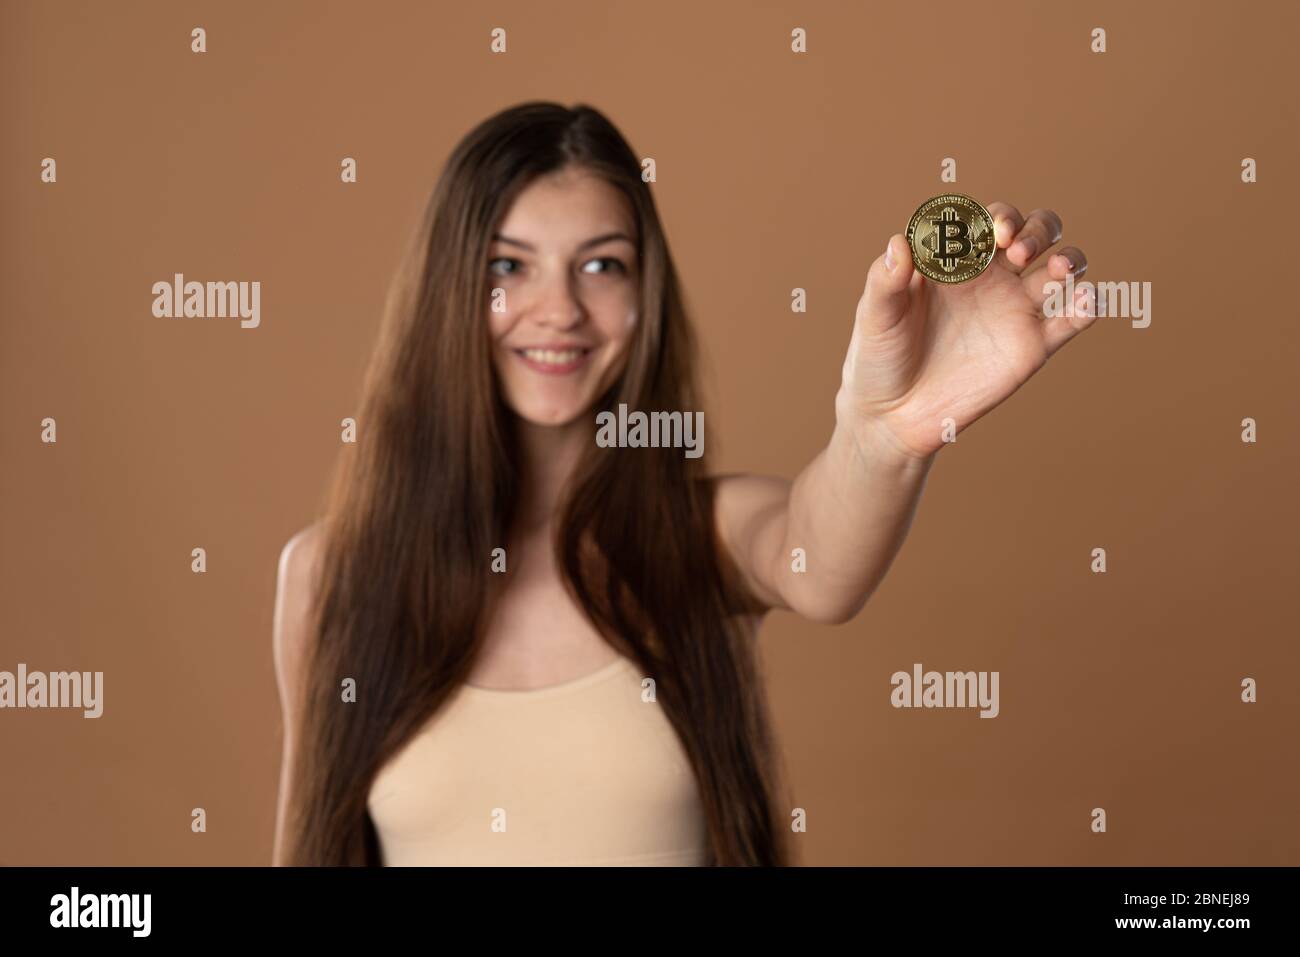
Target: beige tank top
{"x": 580, "y": 773}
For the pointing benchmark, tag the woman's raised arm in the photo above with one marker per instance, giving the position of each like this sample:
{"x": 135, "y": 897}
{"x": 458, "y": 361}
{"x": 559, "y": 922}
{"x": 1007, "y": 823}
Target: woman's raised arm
{"x": 925, "y": 360}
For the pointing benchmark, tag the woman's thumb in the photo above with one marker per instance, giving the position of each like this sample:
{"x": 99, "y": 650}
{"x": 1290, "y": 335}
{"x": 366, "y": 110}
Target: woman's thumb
{"x": 884, "y": 300}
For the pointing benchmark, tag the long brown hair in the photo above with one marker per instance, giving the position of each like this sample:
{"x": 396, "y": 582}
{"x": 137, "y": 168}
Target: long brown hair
{"x": 428, "y": 491}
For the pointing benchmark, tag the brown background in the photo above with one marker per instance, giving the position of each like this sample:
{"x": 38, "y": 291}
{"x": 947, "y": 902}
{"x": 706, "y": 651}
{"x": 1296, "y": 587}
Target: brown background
{"x": 775, "y": 170}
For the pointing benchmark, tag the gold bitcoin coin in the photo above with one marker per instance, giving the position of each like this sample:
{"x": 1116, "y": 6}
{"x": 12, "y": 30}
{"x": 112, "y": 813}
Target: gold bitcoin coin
{"x": 951, "y": 238}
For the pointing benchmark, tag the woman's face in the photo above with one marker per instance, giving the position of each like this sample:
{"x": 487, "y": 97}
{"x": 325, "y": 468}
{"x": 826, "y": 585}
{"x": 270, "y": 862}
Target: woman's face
{"x": 563, "y": 267}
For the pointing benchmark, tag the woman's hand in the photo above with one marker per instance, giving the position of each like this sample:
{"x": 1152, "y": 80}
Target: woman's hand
{"x": 923, "y": 351}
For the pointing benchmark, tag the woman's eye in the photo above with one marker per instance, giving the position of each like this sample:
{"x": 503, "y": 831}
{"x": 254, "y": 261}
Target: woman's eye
{"x": 502, "y": 259}
{"x": 610, "y": 259}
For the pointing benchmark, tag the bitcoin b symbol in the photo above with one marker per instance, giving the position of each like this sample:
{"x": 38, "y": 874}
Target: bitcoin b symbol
{"x": 951, "y": 239}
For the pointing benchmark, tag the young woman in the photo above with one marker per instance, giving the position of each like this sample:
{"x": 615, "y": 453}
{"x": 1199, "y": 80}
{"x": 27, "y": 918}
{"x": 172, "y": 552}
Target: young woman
{"x": 508, "y": 643}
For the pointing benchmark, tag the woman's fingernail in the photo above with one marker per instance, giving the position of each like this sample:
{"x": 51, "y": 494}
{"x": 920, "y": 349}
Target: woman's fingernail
{"x": 1030, "y": 245}
{"x": 889, "y": 254}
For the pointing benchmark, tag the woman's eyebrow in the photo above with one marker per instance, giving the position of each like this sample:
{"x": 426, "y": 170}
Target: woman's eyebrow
{"x": 596, "y": 241}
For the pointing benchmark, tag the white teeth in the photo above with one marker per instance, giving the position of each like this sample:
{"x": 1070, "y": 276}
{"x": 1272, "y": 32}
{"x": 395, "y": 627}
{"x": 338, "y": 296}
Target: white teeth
{"x": 553, "y": 358}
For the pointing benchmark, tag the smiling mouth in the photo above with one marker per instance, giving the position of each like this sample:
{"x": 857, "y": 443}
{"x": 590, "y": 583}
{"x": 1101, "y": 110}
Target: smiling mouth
{"x": 554, "y": 360}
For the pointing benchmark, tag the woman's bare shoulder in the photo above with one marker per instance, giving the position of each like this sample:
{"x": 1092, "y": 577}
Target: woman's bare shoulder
{"x": 749, "y": 518}
{"x": 294, "y": 593}
{"x": 302, "y": 549}
{"x": 290, "y": 633}
{"x": 743, "y": 504}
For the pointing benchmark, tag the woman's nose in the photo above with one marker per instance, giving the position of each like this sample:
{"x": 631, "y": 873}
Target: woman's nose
{"x": 558, "y": 307}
